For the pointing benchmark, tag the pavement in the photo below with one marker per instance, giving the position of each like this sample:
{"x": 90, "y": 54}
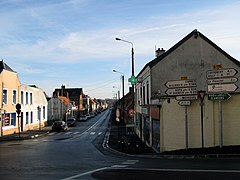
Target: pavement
{"x": 30, "y": 134}
{"x": 120, "y": 141}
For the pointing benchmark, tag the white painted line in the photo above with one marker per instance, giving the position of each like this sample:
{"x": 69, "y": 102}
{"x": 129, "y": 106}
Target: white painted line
{"x": 50, "y": 134}
{"x": 86, "y": 173}
{"x": 130, "y": 162}
{"x": 119, "y": 166}
{"x": 92, "y": 133}
{"x": 76, "y": 133}
{"x": 188, "y": 170}
{"x": 99, "y": 133}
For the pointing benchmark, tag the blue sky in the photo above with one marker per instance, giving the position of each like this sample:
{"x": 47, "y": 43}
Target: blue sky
{"x": 72, "y": 42}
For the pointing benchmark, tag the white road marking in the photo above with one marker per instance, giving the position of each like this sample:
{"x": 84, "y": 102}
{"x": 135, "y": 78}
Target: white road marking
{"x": 92, "y": 133}
{"x": 130, "y": 162}
{"x": 99, "y": 133}
{"x": 86, "y": 173}
{"x": 50, "y": 134}
{"x": 119, "y": 166}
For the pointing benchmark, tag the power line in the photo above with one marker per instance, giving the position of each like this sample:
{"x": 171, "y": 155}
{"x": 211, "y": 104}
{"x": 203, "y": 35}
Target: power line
{"x": 103, "y": 84}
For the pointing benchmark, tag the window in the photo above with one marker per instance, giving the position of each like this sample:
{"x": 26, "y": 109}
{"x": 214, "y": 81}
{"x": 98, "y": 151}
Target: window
{"x": 144, "y": 95}
{"x": 27, "y": 118}
{"x": 147, "y": 93}
{"x": 21, "y": 97}
{"x": 39, "y": 113}
{"x": 26, "y": 97}
{"x": 141, "y": 95}
{"x": 5, "y": 96}
{"x": 31, "y": 117}
{"x": 31, "y": 98}
{"x": 44, "y": 113}
{"x": 13, "y": 119}
{"x": 14, "y": 97}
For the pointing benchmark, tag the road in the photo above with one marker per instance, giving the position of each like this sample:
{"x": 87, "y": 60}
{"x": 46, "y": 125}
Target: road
{"x": 78, "y": 154}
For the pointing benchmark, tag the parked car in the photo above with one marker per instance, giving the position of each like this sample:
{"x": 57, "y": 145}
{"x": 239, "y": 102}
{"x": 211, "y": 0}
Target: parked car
{"x": 83, "y": 118}
{"x": 59, "y": 126}
{"x": 92, "y": 114}
{"x": 88, "y": 116}
{"x": 71, "y": 122}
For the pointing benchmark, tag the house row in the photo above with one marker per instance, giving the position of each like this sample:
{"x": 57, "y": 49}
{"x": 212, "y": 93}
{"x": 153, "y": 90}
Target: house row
{"x": 188, "y": 97}
{"x": 31, "y": 98}
{"x": 37, "y": 110}
{"x": 72, "y": 102}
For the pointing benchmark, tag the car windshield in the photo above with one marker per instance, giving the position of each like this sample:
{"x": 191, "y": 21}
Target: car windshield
{"x": 57, "y": 123}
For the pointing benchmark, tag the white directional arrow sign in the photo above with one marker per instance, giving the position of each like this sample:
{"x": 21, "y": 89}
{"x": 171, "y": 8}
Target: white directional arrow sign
{"x": 230, "y": 72}
{"x": 184, "y": 103}
{"x": 222, "y": 88}
{"x": 222, "y": 80}
{"x": 181, "y": 91}
{"x": 180, "y": 83}
{"x": 186, "y": 98}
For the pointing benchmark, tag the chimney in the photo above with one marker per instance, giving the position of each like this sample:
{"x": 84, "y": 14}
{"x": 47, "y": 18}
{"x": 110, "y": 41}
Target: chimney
{"x": 159, "y": 52}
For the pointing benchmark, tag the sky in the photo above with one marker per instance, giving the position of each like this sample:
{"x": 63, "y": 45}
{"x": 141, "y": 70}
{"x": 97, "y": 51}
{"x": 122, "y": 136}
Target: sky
{"x": 50, "y": 43}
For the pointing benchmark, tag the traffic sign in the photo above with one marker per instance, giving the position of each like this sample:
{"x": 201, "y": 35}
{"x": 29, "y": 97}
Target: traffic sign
{"x": 230, "y": 72}
{"x": 184, "y": 103}
{"x": 222, "y": 88}
{"x": 222, "y": 80}
{"x": 221, "y": 96}
{"x": 132, "y": 80}
{"x": 186, "y": 98}
{"x": 117, "y": 115}
{"x": 180, "y": 83}
{"x": 131, "y": 112}
{"x": 18, "y": 108}
{"x": 181, "y": 91}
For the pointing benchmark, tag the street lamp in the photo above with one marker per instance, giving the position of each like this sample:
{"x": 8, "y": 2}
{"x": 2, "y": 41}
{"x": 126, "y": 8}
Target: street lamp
{"x": 118, "y": 92}
{"x": 121, "y": 121}
{"x": 118, "y": 39}
{"x": 132, "y": 79}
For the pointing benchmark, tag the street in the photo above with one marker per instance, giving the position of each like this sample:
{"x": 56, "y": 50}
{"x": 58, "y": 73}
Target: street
{"x": 78, "y": 154}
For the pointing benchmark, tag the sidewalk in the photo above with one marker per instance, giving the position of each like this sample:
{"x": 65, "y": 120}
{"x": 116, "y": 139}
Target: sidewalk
{"x": 131, "y": 144}
{"x": 30, "y": 134}
{"x": 127, "y": 143}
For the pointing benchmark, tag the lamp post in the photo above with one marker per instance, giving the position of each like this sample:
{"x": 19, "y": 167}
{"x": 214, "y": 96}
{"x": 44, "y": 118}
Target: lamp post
{"x": 122, "y": 76}
{"x": 118, "y": 92}
{"x": 132, "y": 79}
{"x": 118, "y": 39}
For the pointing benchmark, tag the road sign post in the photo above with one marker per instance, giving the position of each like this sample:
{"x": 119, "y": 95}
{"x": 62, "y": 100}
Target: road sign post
{"x": 18, "y": 110}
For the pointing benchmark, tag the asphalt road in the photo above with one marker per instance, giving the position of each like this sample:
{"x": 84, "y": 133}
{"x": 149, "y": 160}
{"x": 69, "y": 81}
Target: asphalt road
{"x": 79, "y": 154}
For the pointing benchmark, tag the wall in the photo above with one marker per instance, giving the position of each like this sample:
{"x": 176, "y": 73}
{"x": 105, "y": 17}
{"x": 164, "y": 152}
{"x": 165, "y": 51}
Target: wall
{"x": 9, "y": 81}
{"x": 192, "y": 59}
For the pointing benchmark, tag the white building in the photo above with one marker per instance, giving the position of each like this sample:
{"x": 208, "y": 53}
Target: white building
{"x": 33, "y": 107}
{"x": 189, "y": 97}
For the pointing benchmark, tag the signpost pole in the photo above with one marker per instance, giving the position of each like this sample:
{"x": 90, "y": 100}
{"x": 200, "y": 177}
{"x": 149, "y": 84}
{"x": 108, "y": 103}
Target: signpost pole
{"x": 186, "y": 126}
{"x": 202, "y": 125}
{"x": 201, "y": 95}
{"x": 220, "y": 123}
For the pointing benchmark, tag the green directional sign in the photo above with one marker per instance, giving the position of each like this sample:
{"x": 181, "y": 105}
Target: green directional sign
{"x": 132, "y": 80}
{"x": 220, "y": 96}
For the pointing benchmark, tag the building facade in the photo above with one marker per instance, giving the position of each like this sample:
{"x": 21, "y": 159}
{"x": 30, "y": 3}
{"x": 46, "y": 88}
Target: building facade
{"x": 9, "y": 92}
{"x": 32, "y": 100}
{"x": 190, "y": 95}
{"x": 75, "y": 95}
{"x": 34, "y": 108}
